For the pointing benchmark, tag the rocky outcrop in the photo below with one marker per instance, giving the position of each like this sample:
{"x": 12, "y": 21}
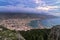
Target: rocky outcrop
{"x": 55, "y": 33}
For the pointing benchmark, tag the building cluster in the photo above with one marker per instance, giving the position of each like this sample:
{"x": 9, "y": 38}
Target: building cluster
{"x": 16, "y": 24}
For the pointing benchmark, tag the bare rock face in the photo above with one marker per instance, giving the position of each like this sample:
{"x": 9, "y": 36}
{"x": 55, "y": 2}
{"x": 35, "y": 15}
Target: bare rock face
{"x": 55, "y": 33}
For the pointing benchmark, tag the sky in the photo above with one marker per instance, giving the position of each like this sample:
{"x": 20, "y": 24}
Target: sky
{"x": 52, "y": 7}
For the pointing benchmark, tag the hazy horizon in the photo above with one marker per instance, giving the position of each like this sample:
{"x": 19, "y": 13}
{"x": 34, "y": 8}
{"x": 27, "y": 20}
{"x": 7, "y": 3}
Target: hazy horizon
{"x": 51, "y": 7}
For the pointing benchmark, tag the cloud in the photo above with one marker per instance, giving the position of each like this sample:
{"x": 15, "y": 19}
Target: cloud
{"x": 47, "y": 8}
{"x": 37, "y": 1}
{"x": 46, "y": 5}
{"x": 55, "y": 14}
{"x": 19, "y": 5}
{"x": 58, "y": 1}
{"x": 37, "y": 6}
{"x": 19, "y": 9}
{"x": 26, "y": 3}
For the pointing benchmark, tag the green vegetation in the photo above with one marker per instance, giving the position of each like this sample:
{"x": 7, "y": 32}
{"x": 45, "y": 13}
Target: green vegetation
{"x": 34, "y": 34}
{"x": 6, "y": 34}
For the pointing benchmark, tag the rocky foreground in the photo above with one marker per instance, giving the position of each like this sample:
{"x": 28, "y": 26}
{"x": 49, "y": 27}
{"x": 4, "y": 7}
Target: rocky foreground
{"x": 55, "y": 33}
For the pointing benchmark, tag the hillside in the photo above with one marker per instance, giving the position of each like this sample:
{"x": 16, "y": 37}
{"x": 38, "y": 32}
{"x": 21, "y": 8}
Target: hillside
{"x": 26, "y": 15}
{"x": 23, "y": 21}
{"x": 34, "y": 34}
